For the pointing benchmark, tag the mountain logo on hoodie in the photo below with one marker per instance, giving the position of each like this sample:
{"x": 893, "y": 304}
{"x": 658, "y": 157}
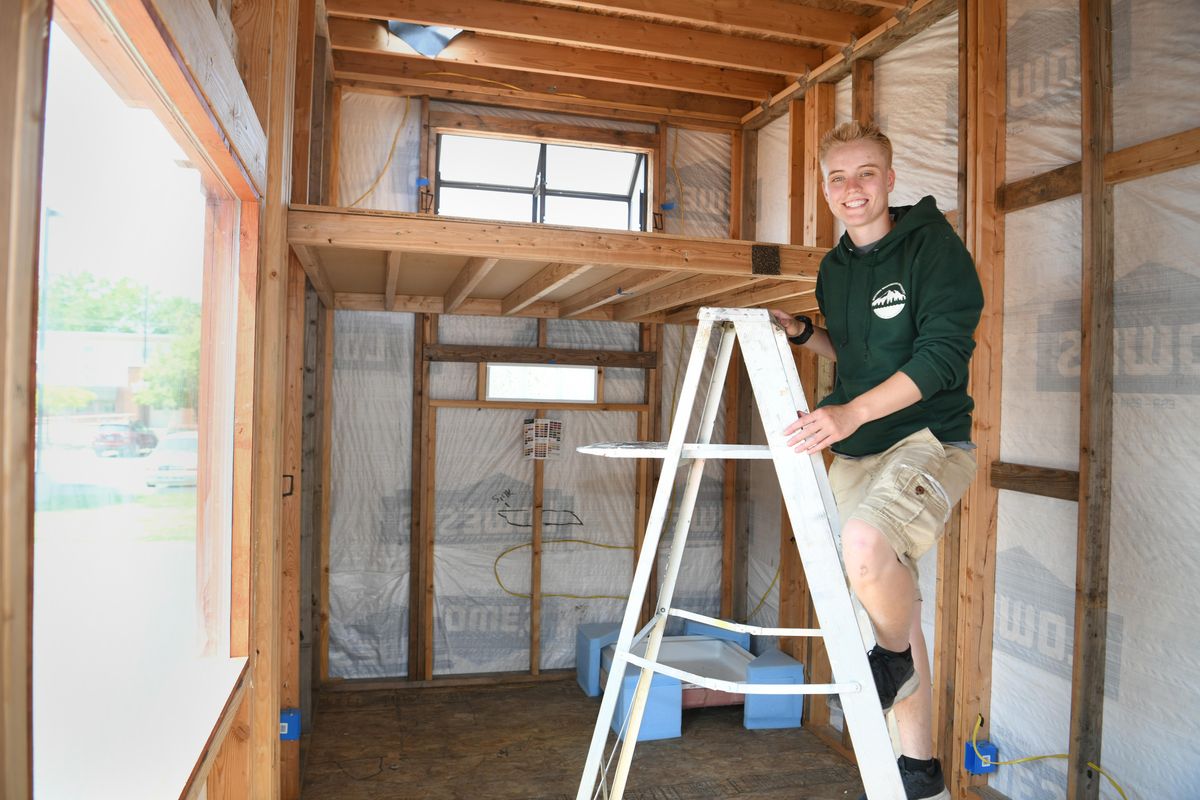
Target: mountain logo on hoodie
{"x": 889, "y": 301}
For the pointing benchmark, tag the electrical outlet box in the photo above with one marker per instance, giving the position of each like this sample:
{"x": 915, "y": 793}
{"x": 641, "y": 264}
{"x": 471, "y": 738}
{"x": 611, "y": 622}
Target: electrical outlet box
{"x": 289, "y": 724}
{"x": 974, "y": 764}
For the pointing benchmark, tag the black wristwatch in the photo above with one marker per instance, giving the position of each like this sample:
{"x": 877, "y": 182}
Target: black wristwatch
{"x": 806, "y": 333}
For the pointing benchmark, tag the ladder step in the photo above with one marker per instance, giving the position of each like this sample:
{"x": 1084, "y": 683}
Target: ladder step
{"x": 734, "y": 687}
{"x": 659, "y": 450}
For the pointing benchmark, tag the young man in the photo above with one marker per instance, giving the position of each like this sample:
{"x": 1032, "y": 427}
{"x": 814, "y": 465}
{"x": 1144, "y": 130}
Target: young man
{"x": 901, "y": 298}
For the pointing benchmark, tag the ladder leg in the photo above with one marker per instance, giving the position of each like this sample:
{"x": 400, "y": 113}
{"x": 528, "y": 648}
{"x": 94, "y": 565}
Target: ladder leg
{"x": 683, "y": 521}
{"x": 804, "y": 477}
{"x": 641, "y": 576}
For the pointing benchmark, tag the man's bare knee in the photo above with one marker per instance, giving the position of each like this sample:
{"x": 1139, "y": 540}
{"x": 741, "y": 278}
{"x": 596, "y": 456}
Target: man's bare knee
{"x": 867, "y": 553}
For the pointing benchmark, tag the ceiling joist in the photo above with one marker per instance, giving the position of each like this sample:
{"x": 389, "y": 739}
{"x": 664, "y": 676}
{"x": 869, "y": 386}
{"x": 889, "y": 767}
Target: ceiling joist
{"x": 549, "y": 59}
{"x": 616, "y": 34}
{"x": 550, "y": 278}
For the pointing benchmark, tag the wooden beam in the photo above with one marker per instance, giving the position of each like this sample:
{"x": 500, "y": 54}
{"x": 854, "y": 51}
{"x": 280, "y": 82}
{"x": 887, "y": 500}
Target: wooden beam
{"x": 1027, "y": 192}
{"x": 420, "y": 422}
{"x": 197, "y": 785}
{"x": 394, "y": 258}
{"x": 478, "y": 307}
{"x": 380, "y": 230}
{"x": 749, "y": 225}
{"x": 1042, "y": 481}
{"x": 1167, "y": 153}
{"x": 777, "y": 18}
{"x": 509, "y": 128}
{"x": 230, "y": 773}
{"x": 552, "y": 277}
{"x": 677, "y": 294}
{"x": 550, "y": 59}
{"x": 1095, "y": 405}
{"x": 765, "y": 293}
{"x": 191, "y": 38}
{"x": 1151, "y": 158}
{"x": 818, "y": 119}
{"x": 524, "y": 405}
{"x": 795, "y": 171}
{"x": 429, "y": 519}
{"x": 24, "y": 40}
{"x": 564, "y": 26}
{"x": 302, "y": 112}
{"x": 469, "y": 276}
{"x": 321, "y": 567}
{"x": 293, "y": 425}
{"x": 270, "y": 27}
{"x": 862, "y": 89}
{"x": 470, "y": 353}
{"x": 737, "y": 189}
{"x": 311, "y": 262}
{"x": 894, "y": 31}
{"x": 982, "y": 93}
{"x": 603, "y": 100}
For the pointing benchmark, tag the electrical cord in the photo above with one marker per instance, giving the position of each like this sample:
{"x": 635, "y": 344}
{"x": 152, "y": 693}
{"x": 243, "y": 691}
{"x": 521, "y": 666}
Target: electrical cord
{"x": 514, "y": 548}
{"x": 391, "y": 155}
{"x": 987, "y": 760}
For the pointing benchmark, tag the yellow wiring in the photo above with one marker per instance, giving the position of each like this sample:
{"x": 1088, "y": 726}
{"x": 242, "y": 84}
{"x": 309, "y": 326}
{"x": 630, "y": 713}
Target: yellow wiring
{"x": 678, "y": 183}
{"x": 471, "y": 78}
{"x": 763, "y": 599}
{"x": 391, "y": 154}
{"x": 514, "y": 548}
{"x": 987, "y": 760}
{"x": 514, "y": 87}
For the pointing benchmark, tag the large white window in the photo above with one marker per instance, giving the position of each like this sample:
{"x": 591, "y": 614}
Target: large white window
{"x": 562, "y": 383}
{"x": 522, "y": 181}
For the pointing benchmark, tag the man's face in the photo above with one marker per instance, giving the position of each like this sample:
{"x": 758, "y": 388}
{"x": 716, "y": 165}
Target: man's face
{"x": 857, "y": 181}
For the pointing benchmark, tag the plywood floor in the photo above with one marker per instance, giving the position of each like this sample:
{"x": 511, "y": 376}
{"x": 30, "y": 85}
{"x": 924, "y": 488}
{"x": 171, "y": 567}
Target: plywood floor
{"x": 529, "y": 741}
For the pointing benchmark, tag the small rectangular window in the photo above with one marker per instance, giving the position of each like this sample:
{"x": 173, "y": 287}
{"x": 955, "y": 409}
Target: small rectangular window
{"x": 559, "y": 383}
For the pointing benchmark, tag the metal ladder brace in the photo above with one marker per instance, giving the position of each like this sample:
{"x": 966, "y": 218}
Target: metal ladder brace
{"x": 810, "y": 506}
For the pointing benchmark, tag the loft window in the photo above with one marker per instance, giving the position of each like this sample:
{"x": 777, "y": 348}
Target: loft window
{"x": 559, "y": 383}
{"x": 523, "y": 181}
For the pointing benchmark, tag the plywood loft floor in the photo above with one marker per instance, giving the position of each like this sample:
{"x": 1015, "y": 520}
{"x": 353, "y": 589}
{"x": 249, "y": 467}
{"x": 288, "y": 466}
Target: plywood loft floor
{"x": 528, "y": 742}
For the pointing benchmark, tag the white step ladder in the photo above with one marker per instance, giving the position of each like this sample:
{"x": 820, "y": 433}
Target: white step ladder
{"x": 810, "y": 506}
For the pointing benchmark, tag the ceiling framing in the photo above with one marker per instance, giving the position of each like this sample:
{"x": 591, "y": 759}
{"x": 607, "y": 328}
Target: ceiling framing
{"x": 718, "y": 64}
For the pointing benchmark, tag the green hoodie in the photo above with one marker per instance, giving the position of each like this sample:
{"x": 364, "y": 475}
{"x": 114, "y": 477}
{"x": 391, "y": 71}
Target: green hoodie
{"x": 911, "y": 304}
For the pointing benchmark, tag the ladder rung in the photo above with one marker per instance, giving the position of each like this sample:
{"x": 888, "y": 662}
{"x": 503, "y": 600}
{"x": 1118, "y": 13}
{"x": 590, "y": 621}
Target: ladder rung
{"x": 659, "y": 450}
{"x": 744, "y": 688}
{"x": 754, "y": 630}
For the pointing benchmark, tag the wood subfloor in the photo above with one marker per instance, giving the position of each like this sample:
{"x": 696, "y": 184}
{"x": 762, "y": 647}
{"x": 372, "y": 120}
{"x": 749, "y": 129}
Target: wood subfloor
{"x": 529, "y": 742}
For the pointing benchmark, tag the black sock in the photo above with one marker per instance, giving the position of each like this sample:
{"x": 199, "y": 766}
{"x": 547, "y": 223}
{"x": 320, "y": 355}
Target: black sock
{"x": 913, "y": 764}
{"x": 897, "y": 653}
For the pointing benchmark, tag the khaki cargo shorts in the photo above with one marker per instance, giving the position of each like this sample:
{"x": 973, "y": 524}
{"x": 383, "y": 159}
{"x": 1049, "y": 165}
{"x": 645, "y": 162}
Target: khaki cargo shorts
{"x": 905, "y": 492}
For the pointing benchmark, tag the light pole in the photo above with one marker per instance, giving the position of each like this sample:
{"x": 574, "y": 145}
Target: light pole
{"x": 43, "y": 286}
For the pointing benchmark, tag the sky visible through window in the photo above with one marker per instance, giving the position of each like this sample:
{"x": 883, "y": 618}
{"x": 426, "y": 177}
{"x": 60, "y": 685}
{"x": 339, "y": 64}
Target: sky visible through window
{"x": 582, "y": 186}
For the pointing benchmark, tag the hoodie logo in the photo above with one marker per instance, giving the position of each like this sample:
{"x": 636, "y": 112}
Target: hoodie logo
{"x": 889, "y": 301}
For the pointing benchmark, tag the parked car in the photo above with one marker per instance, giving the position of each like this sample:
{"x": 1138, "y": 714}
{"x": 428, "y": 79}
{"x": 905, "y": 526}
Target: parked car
{"x": 174, "y": 462}
{"x": 130, "y": 438}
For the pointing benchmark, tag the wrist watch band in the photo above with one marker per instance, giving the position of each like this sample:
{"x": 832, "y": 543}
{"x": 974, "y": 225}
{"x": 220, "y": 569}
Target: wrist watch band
{"x": 806, "y": 331}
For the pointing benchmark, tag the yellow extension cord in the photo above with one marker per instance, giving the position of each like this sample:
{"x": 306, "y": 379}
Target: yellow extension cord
{"x": 986, "y": 760}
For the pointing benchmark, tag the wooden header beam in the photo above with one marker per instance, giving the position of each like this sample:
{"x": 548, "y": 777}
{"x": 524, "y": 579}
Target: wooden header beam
{"x": 314, "y": 226}
{"x": 509, "y": 127}
{"x": 474, "y": 306}
{"x": 474, "y": 354}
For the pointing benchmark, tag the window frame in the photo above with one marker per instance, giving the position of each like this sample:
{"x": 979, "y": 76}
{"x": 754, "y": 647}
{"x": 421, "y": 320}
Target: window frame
{"x": 540, "y": 191}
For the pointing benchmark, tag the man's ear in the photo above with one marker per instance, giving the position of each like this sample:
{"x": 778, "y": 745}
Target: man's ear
{"x": 891, "y": 179}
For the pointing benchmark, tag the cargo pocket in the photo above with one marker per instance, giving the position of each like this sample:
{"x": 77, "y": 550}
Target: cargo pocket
{"x": 919, "y": 505}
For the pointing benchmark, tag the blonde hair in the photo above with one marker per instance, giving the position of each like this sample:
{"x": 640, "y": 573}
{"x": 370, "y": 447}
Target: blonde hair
{"x": 850, "y": 132}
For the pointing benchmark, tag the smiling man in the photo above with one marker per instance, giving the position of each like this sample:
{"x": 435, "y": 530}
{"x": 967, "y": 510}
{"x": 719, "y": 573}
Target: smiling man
{"x": 901, "y": 299}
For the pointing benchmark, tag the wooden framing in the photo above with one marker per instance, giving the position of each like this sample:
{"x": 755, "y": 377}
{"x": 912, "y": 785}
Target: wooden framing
{"x": 1154, "y": 157}
{"x": 818, "y": 118}
{"x": 324, "y": 494}
{"x": 290, "y": 522}
{"x": 468, "y": 278}
{"x": 269, "y": 28}
{"x": 627, "y": 283}
{"x": 23, "y": 47}
{"x": 422, "y": 331}
{"x": 892, "y": 32}
{"x": 538, "y": 355}
{"x": 1042, "y": 481}
{"x": 1095, "y": 405}
{"x": 378, "y": 230}
{"x": 863, "y": 89}
{"x": 982, "y": 153}
{"x": 482, "y": 125}
{"x": 550, "y": 278}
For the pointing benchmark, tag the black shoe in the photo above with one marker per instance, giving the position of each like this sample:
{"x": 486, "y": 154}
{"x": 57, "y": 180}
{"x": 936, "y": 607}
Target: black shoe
{"x": 895, "y": 677}
{"x": 921, "y": 783}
